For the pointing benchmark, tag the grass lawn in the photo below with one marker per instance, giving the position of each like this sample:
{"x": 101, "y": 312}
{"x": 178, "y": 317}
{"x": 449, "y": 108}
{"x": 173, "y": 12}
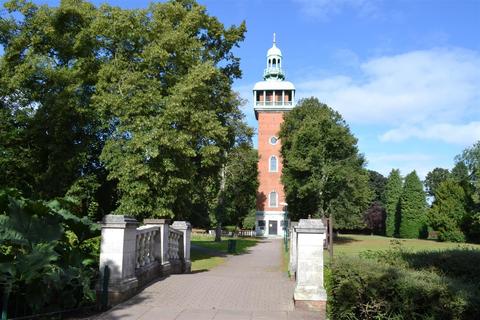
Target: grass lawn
{"x": 207, "y": 241}
{"x": 211, "y": 253}
{"x": 350, "y": 244}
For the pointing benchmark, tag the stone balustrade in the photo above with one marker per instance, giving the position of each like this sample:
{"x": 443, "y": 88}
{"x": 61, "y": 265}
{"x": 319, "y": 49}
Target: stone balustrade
{"x": 137, "y": 255}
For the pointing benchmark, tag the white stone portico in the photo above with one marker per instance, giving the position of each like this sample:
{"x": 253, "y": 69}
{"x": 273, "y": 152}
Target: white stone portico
{"x": 272, "y": 226}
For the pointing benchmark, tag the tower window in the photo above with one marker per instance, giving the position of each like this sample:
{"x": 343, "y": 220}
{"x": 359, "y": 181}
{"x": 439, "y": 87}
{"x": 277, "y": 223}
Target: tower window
{"x": 273, "y": 199}
{"x": 273, "y": 164}
{"x": 273, "y": 140}
{"x": 274, "y": 62}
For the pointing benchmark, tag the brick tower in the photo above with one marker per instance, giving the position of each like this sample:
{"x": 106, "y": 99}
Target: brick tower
{"x": 272, "y": 98}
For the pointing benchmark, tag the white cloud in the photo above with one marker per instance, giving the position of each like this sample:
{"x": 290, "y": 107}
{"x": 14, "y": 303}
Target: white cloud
{"x": 428, "y": 94}
{"x": 325, "y": 9}
{"x": 462, "y": 134}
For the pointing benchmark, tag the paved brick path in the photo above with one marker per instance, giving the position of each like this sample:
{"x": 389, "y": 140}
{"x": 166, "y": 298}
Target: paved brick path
{"x": 248, "y": 286}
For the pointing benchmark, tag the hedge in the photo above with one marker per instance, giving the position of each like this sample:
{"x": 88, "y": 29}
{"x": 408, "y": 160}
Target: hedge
{"x": 367, "y": 289}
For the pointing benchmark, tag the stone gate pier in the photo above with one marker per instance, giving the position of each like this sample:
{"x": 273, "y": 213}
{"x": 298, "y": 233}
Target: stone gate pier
{"x": 136, "y": 255}
{"x": 306, "y": 263}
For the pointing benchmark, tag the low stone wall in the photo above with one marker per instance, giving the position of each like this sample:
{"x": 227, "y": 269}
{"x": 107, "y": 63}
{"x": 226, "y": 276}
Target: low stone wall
{"x": 136, "y": 255}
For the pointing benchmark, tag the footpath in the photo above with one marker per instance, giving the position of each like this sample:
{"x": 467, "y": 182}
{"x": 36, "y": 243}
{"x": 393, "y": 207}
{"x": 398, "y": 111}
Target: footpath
{"x": 250, "y": 286}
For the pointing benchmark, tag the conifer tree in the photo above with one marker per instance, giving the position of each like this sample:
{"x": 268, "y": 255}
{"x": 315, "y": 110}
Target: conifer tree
{"x": 448, "y": 211}
{"x": 393, "y": 190}
{"x": 412, "y": 208}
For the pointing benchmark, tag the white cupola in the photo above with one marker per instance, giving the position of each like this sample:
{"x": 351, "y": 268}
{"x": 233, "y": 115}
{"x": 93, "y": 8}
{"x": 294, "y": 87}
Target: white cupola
{"x": 274, "y": 71}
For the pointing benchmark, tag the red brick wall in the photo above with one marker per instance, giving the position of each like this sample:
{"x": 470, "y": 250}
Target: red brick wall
{"x": 268, "y": 126}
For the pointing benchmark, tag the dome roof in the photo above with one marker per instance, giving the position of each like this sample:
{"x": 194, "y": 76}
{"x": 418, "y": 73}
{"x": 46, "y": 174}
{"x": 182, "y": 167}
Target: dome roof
{"x": 274, "y": 85}
{"x": 274, "y": 51}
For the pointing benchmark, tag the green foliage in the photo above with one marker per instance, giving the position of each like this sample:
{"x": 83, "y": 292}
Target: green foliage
{"x": 249, "y": 221}
{"x": 391, "y": 196}
{"x": 377, "y": 183}
{"x": 413, "y": 208}
{"x": 448, "y": 211}
{"x": 367, "y": 289}
{"x": 467, "y": 173}
{"x": 323, "y": 172}
{"x": 166, "y": 87}
{"x": 47, "y": 253}
{"x": 434, "y": 178}
{"x": 129, "y": 111}
{"x": 241, "y": 183}
{"x": 375, "y": 215}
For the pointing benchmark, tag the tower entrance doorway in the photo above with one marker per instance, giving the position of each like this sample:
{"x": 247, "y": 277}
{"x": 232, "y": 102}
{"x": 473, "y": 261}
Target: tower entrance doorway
{"x": 272, "y": 227}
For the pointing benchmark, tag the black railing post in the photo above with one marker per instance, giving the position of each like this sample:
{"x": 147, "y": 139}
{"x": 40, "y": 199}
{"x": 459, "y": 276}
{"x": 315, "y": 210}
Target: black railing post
{"x": 6, "y": 295}
{"x": 105, "y": 280}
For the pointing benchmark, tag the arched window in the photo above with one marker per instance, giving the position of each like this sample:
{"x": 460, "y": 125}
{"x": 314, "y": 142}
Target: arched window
{"x": 273, "y": 167}
{"x": 274, "y": 62}
{"x": 273, "y": 199}
{"x": 269, "y": 63}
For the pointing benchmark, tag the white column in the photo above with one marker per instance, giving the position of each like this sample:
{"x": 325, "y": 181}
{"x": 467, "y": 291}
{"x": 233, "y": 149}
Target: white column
{"x": 274, "y": 100}
{"x": 292, "y": 266}
{"x": 309, "y": 290}
{"x": 264, "y": 96}
{"x": 186, "y": 228}
{"x": 283, "y": 97}
{"x": 118, "y": 252}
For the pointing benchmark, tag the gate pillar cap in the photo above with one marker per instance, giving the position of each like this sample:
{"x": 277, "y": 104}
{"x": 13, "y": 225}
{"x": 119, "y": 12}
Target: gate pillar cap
{"x": 310, "y": 226}
{"x": 119, "y": 221}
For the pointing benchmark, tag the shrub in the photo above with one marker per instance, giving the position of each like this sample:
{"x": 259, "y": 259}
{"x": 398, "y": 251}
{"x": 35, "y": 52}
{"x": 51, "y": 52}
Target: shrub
{"x": 368, "y": 289}
{"x": 48, "y": 255}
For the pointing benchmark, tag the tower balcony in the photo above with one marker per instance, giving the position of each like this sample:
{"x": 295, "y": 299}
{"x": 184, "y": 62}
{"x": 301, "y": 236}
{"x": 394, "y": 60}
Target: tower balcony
{"x": 273, "y": 103}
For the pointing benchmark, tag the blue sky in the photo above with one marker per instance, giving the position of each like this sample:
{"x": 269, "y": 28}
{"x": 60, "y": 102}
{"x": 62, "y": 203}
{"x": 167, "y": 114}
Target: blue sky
{"x": 404, "y": 74}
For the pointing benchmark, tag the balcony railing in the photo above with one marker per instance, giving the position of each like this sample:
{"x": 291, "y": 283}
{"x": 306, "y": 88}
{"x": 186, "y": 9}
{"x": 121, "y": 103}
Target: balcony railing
{"x": 274, "y": 71}
{"x": 273, "y": 103}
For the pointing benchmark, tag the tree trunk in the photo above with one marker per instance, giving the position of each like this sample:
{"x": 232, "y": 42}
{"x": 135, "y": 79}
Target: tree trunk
{"x": 221, "y": 205}
{"x": 330, "y": 235}
{"x": 218, "y": 232}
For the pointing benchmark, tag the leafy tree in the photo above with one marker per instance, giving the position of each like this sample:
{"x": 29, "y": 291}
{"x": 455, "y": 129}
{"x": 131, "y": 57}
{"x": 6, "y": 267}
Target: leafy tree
{"x": 412, "y": 208}
{"x": 434, "y": 178}
{"x": 377, "y": 183}
{"x": 323, "y": 172}
{"x": 375, "y": 218}
{"x": 467, "y": 173}
{"x": 166, "y": 87}
{"x": 126, "y": 110}
{"x": 391, "y": 196}
{"x": 50, "y": 136}
{"x": 241, "y": 183}
{"x": 448, "y": 211}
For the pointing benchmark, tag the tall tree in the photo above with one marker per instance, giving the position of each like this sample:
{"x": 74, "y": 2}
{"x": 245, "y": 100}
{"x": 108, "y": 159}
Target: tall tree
{"x": 448, "y": 211}
{"x": 434, "y": 178}
{"x": 377, "y": 183}
{"x": 467, "y": 173}
{"x": 375, "y": 215}
{"x": 166, "y": 85}
{"x": 323, "y": 172}
{"x": 412, "y": 208}
{"x": 391, "y": 196}
{"x": 241, "y": 183}
{"x": 142, "y": 97}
